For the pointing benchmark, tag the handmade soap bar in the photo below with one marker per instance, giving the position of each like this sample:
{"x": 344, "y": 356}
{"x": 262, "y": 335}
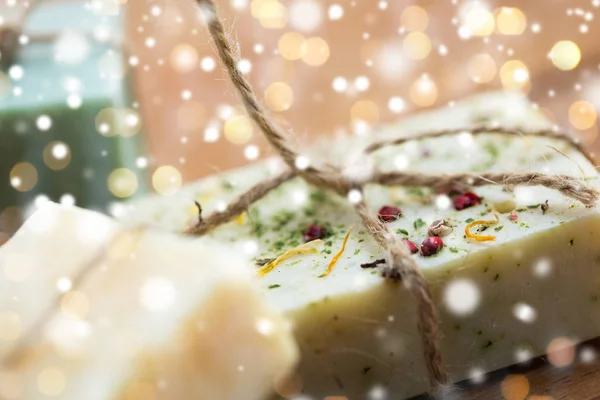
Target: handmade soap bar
{"x": 500, "y": 301}
{"x": 93, "y": 310}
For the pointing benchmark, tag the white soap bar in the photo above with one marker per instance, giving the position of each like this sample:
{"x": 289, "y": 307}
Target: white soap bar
{"x": 144, "y": 315}
{"x": 500, "y": 302}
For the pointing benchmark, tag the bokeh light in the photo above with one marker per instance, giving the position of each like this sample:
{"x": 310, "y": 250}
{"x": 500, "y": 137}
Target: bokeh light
{"x": 292, "y": 46}
{"x": 414, "y": 18}
{"x": 476, "y": 20}
{"x": 56, "y": 155}
{"x": 416, "y": 45}
{"x": 515, "y": 387}
{"x": 122, "y": 182}
{"x": 561, "y": 352}
{"x": 279, "y": 96}
{"x": 184, "y": 58}
{"x": 364, "y": 110}
{"x": 317, "y": 52}
{"x": 43, "y": 122}
{"x": 238, "y": 129}
{"x": 166, "y": 180}
{"x": 306, "y": 15}
{"x": 129, "y": 122}
{"x": 514, "y": 74}
{"x": 423, "y": 91}
{"x": 510, "y": 21}
{"x": 271, "y": 14}
{"x": 461, "y": 296}
{"x": 106, "y": 122}
{"x": 23, "y": 176}
{"x": 335, "y": 12}
{"x": 565, "y": 55}
{"x": 582, "y": 115}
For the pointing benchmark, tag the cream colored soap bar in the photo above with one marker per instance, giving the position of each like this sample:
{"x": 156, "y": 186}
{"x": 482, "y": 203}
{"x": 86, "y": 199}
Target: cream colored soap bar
{"x": 501, "y": 302}
{"x": 90, "y": 309}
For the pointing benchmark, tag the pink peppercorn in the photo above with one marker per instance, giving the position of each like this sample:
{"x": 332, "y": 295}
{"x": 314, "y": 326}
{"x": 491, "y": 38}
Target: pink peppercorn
{"x": 389, "y": 213}
{"x": 466, "y": 200}
{"x": 513, "y": 216}
{"x": 411, "y": 246}
{"x": 314, "y": 232}
{"x": 432, "y": 245}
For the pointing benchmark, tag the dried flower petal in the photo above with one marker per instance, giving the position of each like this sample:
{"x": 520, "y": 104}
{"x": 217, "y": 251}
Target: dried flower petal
{"x": 306, "y": 248}
{"x": 335, "y": 258}
{"x": 481, "y": 238}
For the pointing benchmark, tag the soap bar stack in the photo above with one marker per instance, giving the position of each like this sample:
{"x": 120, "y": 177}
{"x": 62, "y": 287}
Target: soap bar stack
{"x": 91, "y": 309}
{"x": 501, "y": 301}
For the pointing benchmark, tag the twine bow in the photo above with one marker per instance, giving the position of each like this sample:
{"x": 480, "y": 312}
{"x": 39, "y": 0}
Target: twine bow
{"x": 401, "y": 266}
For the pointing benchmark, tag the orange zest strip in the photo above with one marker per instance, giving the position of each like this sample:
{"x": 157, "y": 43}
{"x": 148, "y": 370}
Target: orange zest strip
{"x": 335, "y": 258}
{"x": 306, "y": 248}
{"x": 481, "y": 238}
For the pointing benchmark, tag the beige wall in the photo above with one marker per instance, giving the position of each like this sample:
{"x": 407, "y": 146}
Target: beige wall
{"x": 316, "y": 108}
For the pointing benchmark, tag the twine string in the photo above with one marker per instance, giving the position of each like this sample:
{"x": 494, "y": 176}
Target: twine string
{"x": 477, "y": 130}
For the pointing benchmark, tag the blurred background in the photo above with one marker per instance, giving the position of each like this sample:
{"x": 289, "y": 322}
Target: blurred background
{"x": 104, "y": 100}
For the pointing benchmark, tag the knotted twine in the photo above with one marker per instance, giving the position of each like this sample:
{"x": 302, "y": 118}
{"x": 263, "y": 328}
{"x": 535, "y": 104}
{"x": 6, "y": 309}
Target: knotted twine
{"x": 401, "y": 265}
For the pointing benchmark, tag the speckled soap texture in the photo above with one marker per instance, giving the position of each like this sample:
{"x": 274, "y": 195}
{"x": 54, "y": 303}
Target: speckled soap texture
{"x": 501, "y": 302}
{"x": 68, "y": 88}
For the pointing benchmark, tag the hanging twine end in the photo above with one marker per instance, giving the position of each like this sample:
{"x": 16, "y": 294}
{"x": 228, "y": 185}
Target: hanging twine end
{"x": 200, "y": 219}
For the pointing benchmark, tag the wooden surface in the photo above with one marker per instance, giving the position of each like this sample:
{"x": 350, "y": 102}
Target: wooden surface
{"x": 578, "y": 381}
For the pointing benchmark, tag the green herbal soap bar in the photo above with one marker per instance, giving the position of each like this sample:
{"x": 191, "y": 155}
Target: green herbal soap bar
{"x": 67, "y": 119}
{"x": 501, "y": 302}
{"x": 100, "y": 311}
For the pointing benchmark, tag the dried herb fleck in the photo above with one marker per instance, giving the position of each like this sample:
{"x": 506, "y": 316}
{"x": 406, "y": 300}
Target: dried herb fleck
{"x": 491, "y": 149}
{"x": 571, "y": 241}
{"x": 274, "y": 286}
{"x": 317, "y": 196}
{"x": 282, "y": 218}
{"x": 415, "y": 191}
{"x": 366, "y": 370}
{"x": 356, "y": 251}
{"x": 469, "y": 220}
{"x": 373, "y": 264}
{"x": 258, "y": 228}
{"x": 533, "y": 206}
{"x": 401, "y": 231}
{"x": 499, "y": 228}
{"x": 419, "y": 223}
{"x": 227, "y": 185}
